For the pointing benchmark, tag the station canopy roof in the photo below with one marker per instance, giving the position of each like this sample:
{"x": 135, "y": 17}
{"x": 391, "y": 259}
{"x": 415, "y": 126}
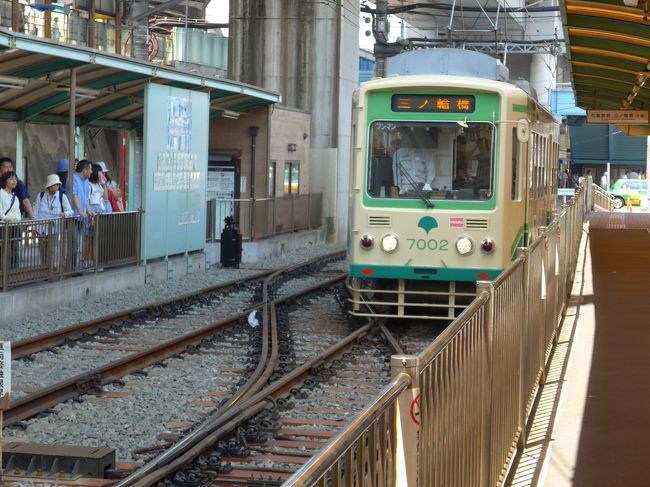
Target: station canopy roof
{"x": 608, "y": 44}
{"x": 35, "y": 81}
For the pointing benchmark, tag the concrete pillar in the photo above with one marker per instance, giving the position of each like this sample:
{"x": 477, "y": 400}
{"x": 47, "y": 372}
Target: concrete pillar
{"x": 303, "y": 51}
{"x": 19, "y": 159}
{"x": 542, "y": 77}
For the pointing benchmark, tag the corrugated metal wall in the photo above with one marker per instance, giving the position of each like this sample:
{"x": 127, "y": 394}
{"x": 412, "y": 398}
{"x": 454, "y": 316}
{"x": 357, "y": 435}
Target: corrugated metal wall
{"x": 599, "y": 144}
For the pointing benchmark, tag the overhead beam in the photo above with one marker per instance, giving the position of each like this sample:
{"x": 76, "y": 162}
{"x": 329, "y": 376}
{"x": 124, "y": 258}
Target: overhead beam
{"x": 160, "y": 8}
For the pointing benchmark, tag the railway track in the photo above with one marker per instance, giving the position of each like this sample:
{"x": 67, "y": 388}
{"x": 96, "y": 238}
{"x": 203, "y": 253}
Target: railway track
{"x": 239, "y": 428}
{"x": 78, "y": 384}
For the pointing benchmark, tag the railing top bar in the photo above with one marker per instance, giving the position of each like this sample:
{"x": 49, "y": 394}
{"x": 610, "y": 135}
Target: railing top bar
{"x": 452, "y": 330}
{"x": 318, "y": 465}
{"x": 512, "y": 268}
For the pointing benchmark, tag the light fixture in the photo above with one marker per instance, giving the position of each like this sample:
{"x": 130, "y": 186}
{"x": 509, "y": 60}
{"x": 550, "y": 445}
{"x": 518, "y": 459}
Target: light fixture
{"x": 367, "y": 242}
{"x": 230, "y": 114}
{"x": 79, "y": 91}
{"x": 13, "y": 83}
{"x": 464, "y": 245}
{"x": 463, "y": 123}
{"x": 389, "y": 243}
{"x": 631, "y": 3}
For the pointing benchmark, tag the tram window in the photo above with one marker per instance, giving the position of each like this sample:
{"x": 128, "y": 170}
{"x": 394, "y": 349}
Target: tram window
{"x": 430, "y": 160}
{"x": 516, "y": 160}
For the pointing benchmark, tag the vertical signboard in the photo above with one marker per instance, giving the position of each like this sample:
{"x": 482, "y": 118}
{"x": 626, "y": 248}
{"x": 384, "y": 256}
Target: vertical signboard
{"x": 175, "y": 170}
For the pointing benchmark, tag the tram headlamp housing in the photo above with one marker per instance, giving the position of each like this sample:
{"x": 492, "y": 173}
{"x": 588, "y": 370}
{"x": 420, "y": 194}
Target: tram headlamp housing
{"x": 487, "y": 245}
{"x": 389, "y": 242}
{"x": 367, "y": 242}
{"x": 464, "y": 245}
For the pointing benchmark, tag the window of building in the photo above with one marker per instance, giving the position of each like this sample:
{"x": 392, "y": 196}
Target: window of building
{"x": 291, "y": 177}
{"x": 271, "y": 179}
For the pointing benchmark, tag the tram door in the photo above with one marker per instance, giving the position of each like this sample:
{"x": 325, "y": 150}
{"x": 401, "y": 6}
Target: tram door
{"x": 223, "y": 189}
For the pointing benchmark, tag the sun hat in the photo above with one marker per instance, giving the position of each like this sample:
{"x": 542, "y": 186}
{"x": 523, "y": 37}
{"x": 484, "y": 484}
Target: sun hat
{"x": 62, "y": 165}
{"x": 102, "y": 164}
{"x": 52, "y": 179}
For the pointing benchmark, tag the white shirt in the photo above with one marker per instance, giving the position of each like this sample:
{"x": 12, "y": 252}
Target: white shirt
{"x": 412, "y": 167}
{"x": 50, "y": 206}
{"x": 13, "y": 215}
{"x": 96, "y": 194}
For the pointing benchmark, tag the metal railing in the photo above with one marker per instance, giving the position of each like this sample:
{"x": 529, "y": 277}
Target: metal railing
{"x": 37, "y": 250}
{"x": 361, "y": 454}
{"x": 602, "y": 199}
{"x": 464, "y": 412}
{"x": 265, "y": 217}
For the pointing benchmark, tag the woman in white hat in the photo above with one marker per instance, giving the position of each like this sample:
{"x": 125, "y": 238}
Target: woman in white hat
{"x": 51, "y": 204}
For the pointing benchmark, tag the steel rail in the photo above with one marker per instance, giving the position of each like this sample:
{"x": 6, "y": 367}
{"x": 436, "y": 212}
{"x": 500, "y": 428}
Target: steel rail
{"x": 28, "y": 346}
{"x": 265, "y": 367}
{"x": 220, "y": 424}
{"x": 38, "y": 343}
{"x": 262, "y": 372}
{"x": 83, "y": 383}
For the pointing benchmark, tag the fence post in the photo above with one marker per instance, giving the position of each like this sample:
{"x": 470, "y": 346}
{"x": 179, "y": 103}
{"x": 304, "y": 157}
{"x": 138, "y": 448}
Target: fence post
{"x": 486, "y": 443}
{"x": 524, "y": 253}
{"x": 408, "y": 418}
{"x": 5, "y": 256}
{"x": 251, "y": 223}
{"x": 96, "y": 237}
{"x": 274, "y": 203}
{"x": 138, "y": 236}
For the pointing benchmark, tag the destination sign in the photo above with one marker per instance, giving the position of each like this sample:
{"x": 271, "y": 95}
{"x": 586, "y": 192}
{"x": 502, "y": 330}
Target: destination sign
{"x": 433, "y": 103}
{"x": 628, "y": 117}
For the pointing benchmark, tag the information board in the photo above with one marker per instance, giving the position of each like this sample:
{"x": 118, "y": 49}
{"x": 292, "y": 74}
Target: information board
{"x": 176, "y": 124}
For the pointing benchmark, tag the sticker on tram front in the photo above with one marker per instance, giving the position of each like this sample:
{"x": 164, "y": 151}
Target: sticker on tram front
{"x": 456, "y": 222}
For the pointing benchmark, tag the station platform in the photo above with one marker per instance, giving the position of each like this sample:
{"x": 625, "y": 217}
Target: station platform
{"x": 591, "y": 422}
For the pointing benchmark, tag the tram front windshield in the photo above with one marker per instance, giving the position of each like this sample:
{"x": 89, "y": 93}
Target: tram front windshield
{"x": 431, "y": 160}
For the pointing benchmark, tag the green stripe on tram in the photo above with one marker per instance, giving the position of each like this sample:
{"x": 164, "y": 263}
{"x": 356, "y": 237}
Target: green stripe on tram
{"x": 423, "y": 273}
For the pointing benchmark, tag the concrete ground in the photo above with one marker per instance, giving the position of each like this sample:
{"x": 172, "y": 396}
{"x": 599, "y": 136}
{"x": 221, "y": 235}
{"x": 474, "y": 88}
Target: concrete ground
{"x": 590, "y": 423}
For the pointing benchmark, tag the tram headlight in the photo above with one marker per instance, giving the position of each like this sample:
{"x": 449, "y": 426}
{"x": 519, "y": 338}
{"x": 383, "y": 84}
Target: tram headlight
{"x": 367, "y": 242}
{"x": 389, "y": 242}
{"x": 464, "y": 245}
{"x": 487, "y": 245}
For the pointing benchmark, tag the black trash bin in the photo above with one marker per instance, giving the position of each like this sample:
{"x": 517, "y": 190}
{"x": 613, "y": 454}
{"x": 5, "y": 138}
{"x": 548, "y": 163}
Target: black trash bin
{"x": 230, "y": 244}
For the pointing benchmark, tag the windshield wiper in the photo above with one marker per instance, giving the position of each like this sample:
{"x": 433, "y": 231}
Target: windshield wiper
{"x": 412, "y": 182}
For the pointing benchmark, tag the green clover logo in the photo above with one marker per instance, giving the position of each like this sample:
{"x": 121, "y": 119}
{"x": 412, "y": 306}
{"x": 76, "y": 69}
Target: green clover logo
{"x": 427, "y": 223}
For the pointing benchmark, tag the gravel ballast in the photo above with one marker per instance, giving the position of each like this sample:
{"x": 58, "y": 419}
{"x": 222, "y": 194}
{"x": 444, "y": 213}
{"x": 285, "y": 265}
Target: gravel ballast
{"x": 44, "y": 321}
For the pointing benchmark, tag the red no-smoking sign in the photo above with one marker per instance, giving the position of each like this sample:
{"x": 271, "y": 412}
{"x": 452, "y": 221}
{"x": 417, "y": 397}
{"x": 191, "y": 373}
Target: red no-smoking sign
{"x": 415, "y": 410}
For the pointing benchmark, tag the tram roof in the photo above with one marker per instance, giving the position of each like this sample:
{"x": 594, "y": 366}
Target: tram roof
{"x": 35, "y": 77}
{"x": 608, "y": 44}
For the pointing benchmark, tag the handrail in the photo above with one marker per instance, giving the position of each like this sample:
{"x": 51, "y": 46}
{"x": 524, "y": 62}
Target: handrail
{"x": 334, "y": 451}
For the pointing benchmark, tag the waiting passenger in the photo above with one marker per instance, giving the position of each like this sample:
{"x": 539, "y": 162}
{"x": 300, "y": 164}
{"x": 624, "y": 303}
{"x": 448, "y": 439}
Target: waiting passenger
{"x": 51, "y": 204}
{"x": 22, "y": 194}
{"x": 81, "y": 209}
{"x": 10, "y": 213}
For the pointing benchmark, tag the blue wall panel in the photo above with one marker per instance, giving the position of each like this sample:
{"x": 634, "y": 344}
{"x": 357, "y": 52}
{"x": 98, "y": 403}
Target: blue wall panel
{"x": 176, "y": 125}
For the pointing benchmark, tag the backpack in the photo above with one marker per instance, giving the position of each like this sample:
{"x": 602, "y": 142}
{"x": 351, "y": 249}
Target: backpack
{"x": 42, "y": 193}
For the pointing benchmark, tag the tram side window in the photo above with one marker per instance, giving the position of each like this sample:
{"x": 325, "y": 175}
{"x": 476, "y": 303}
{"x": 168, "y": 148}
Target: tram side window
{"x": 516, "y": 161}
